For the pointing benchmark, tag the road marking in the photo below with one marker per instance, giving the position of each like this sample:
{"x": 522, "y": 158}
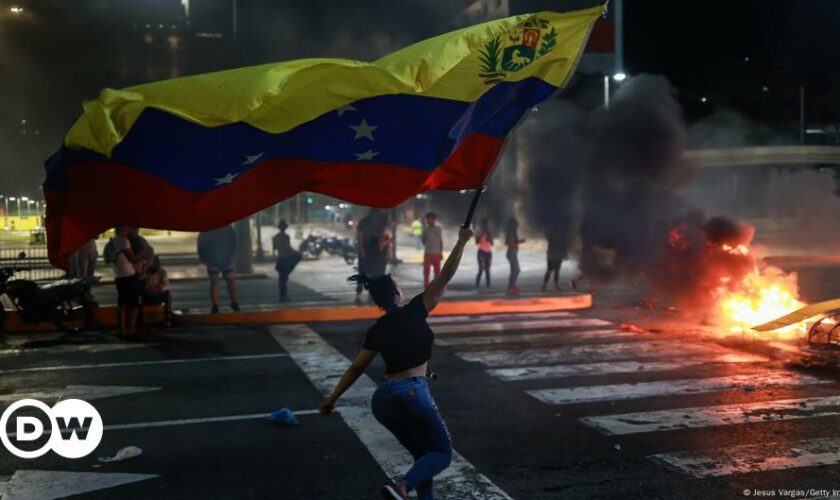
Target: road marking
{"x": 85, "y": 392}
{"x": 711, "y": 416}
{"x": 145, "y": 363}
{"x": 754, "y": 457}
{"x": 589, "y": 394}
{"x": 62, "y": 349}
{"x": 188, "y": 421}
{"x": 559, "y": 371}
{"x": 203, "y": 420}
{"x": 324, "y": 365}
{"x": 51, "y": 484}
{"x": 434, "y": 320}
{"x": 518, "y": 325}
{"x": 587, "y": 353}
{"x": 513, "y": 338}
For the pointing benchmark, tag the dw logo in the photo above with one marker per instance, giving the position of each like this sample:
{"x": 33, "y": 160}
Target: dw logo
{"x": 75, "y": 428}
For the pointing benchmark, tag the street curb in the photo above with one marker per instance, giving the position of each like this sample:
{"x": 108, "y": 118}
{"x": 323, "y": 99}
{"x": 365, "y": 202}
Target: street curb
{"x": 105, "y": 317}
{"x": 188, "y": 279}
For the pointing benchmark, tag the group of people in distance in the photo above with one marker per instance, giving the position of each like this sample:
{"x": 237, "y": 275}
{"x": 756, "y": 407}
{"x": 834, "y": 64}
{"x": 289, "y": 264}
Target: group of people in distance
{"x": 140, "y": 279}
{"x": 555, "y": 255}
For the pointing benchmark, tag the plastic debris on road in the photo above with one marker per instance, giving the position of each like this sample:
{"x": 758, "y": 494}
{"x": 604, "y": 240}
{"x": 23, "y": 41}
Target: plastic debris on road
{"x": 124, "y": 454}
{"x": 283, "y": 416}
{"x": 626, "y": 327}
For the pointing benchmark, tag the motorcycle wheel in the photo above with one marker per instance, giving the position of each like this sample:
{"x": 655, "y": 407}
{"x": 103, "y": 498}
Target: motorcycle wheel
{"x": 73, "y": 316}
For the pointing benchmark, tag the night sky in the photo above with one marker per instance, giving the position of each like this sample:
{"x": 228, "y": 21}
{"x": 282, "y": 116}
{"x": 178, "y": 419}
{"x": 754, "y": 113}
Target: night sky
{"x": 690, "y": 41}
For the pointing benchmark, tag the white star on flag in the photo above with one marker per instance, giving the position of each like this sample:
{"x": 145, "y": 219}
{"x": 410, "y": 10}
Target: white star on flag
{"x": 367, "y": 155}
{"x": 249, "y": 159}
{"x": 221, "y": 181}
{"x": 364, "y": 130}
{"x": 344, "y": 109}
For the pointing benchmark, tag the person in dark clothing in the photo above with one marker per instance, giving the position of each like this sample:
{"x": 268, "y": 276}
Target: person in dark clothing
{"x": 555, "y": 255}
{"x": 512, "y": 241}
{"x": 287, "y": 259}
{"x": 402, "y": 402}
{"x": 157, "y": 289}
{"x": 484, "y": 240}
{"x": 372, "y": 256}
{"x": 217, "y": 250}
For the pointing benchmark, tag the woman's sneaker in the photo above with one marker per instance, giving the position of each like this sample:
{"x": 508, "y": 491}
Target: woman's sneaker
{"x": 393, "y": 491}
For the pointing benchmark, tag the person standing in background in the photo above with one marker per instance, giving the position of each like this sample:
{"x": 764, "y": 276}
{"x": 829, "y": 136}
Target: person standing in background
{"x": 555, "y": 255}
{"x": 83, "y": 261}
{"x": 433, "y": 252}
{"x": 217, "y": 250}
{"x": 287, "y": 259}
{"x": 417, "y": 231}
{"x": 142, "y": 249}
{"x": 512, "y": 241}
{"x": 125, "y": 279}
{"x": 372, "y": 254}
{"x": 484, "y": 240}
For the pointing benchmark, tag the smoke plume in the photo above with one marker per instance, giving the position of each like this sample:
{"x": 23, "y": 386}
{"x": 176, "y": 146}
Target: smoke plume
{"x": 608, "y": 178}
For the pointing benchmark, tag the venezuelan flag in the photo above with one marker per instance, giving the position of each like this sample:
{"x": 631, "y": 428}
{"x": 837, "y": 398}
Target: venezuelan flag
{"x": 198, "y": 152}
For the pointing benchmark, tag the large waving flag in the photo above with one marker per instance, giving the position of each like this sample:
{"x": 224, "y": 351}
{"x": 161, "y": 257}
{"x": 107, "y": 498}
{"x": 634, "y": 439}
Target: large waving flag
{"x": 198, "y": 152}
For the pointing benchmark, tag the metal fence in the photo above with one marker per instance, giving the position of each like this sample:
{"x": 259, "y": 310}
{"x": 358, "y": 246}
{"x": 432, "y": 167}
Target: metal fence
{"x": 36, "y": 261}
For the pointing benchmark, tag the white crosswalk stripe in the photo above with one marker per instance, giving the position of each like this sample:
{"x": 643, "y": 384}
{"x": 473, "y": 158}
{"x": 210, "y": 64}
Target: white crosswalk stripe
{"x": 615, "y": 367}
{"x": 518, "y": 325}
{"x": 709, "y": 416}
{"x": 587, "y": 353}
{"x": 517, "y": 338}
{"x": 754, "y": 457}
{"x": 594, "y": 393}
{"x": 437, "y": 320}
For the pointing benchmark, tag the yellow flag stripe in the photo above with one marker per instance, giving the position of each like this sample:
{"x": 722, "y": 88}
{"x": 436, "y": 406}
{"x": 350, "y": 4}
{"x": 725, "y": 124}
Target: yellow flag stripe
{"x": 280, "y": 96}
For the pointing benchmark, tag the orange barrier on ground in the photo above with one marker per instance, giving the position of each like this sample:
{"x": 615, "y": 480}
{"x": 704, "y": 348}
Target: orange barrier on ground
{"x": 349, "y": 313}
{"x": 105, "y": 317}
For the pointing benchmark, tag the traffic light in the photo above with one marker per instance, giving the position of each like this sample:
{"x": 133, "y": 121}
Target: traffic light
{"x": 309, "y": 200}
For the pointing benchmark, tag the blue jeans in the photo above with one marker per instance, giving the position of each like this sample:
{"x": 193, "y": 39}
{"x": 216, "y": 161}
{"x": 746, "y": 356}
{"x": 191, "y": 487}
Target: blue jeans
{"x": 406, "y": 408}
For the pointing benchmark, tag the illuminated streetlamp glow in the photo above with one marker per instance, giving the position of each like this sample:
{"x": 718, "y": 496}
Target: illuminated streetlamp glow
{"x": 620, "y": 76}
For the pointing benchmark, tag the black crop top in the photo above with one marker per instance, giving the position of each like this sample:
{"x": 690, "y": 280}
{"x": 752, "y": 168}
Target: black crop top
{"x": 402, "y": 336}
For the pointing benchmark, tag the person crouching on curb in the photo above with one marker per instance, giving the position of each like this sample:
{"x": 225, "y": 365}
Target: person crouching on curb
{"x": 402, "y": 402}
{"x": 157, "y": 290}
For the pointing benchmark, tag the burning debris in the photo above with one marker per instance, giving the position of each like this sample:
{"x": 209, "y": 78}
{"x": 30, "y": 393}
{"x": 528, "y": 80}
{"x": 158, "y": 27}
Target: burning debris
{"x": 617, "y": 172}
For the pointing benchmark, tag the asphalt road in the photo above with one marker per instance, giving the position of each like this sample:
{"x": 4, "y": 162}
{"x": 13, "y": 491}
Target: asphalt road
{"x": 539, "y": 407}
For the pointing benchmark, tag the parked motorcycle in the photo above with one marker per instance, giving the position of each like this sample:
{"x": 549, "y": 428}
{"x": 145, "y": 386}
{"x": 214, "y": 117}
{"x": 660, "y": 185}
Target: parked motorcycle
{"x": 349, "y": 250}
{"x": 332, "y": 245}
{"x": 64, "y": 303}
{"x": 311, "y": 246}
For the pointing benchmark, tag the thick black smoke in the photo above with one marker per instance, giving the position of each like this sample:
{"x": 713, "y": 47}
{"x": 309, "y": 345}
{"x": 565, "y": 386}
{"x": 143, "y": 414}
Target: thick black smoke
{"x": 608, "y": 179}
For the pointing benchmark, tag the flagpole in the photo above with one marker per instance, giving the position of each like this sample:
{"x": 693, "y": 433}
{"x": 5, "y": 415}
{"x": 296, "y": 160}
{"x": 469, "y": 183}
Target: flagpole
{"x": 473, "y": 203}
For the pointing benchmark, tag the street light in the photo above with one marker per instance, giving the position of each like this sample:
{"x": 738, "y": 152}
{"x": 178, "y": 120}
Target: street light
{"x": 620, "y": 76}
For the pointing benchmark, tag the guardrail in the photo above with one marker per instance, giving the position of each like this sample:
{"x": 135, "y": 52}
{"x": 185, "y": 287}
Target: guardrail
{"x": 36, "y": 261}
{"x": 765, "y": 155}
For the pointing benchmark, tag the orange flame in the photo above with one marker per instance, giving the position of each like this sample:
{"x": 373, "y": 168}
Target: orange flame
{"x": 760, "y": 296}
